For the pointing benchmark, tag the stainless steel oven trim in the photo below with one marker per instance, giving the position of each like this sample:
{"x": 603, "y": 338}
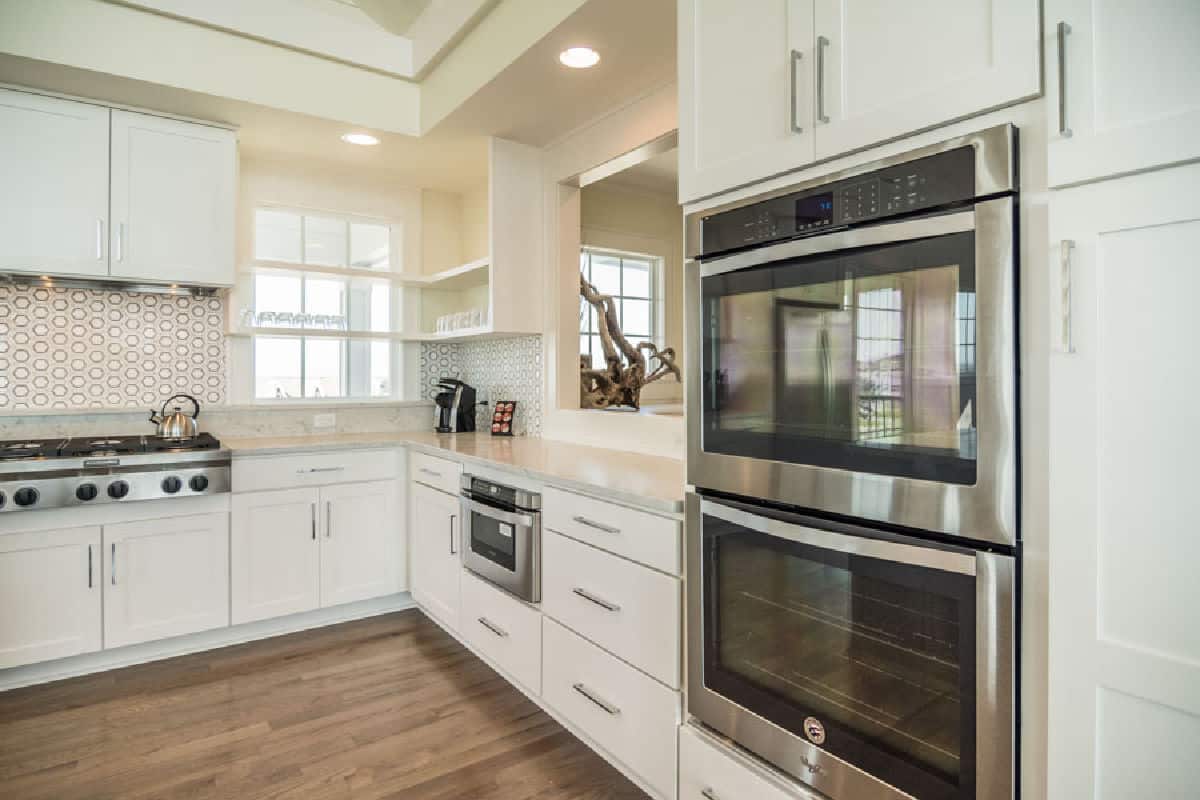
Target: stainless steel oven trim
{"x": 834, "y": 241}
{"x": 985, "y": 511}
{"x": 995, "y": 172}
{"x": 839, "y": 779}
{"x": 944, "y": 560}
{"x": 525, "y": 582}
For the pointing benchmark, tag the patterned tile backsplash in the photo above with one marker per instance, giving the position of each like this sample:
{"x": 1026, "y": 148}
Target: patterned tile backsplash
{"x": 500, "y": 369}
{"x": 90, "y": 348}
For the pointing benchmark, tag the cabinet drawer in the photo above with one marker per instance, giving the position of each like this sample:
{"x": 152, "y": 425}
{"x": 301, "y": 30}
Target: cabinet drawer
{"x": 637, "y": 535}
{"x": 254, "y": 474}
{"x": 438, "y": 473}
{"x": 631, "y": 716}
{"x": 709, "y": 770}
{"x": 502, "y": 628}
{"x": 625, "y": 608}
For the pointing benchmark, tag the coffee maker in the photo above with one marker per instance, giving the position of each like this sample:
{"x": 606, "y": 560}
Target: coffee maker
{"x": 455, "y": 412}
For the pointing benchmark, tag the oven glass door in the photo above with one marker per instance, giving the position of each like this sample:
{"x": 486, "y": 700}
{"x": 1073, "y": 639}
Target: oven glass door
{"x": 866, "y": 648}
{"x": 493, "y": 539}
{"x": 860, "y": 360}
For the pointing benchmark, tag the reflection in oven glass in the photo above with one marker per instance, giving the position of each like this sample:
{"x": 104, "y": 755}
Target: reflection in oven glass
{"x": 871, "y": 655}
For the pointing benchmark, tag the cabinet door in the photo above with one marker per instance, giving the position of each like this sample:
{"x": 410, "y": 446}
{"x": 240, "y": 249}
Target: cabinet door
{"x": 433, "y": 534}
{"x": 165, "y": 577}
{"x": 361, "y": 544}
{"x": 1128, "y": 98}
{"x": 172, "y": 200}
{"x": 745, "y": 92}
{"x": 275, "y": 554}
{"x": 1124, "y": 644}
{"x": 54, "y": 163}
{"x": 885, "y": 69}
{"x": 50, "y": 593}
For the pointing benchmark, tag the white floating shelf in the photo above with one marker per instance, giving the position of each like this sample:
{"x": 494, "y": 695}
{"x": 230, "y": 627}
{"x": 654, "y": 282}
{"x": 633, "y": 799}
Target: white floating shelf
{"x": 318, "y": 333}
{"x": 472, "y": 273}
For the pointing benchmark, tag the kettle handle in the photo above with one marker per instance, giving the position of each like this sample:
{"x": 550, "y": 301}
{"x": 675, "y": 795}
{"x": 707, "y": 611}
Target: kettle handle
{"x": 195, "y": 403}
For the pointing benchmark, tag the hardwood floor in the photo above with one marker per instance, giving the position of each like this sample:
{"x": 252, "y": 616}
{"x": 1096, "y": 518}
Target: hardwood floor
{"x": 389, "y": 707}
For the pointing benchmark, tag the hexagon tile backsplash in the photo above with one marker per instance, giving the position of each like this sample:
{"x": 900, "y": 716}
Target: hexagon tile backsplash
{"x": 501, "y": 369}
{"x": 90, "y": 348}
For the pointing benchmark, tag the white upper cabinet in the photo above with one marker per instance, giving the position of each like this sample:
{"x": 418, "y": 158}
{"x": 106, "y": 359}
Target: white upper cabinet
{"x": 745, "y": 92}
{"x": 173, "y": 195}
{"x": 885, "y": 69}
{"x": 1126, "y": 96}
{"x": 50, "y": 590}
{"x": 54, "y": 167}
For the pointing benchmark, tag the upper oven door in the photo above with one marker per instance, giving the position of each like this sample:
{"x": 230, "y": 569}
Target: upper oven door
{"x": 868, "y": 372}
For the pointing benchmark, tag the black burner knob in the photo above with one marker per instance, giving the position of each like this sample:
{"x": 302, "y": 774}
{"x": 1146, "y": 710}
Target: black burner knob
{"x": 26, "y": 496}
{"x": 86, "y": 492}
{"x": 198, "y": 483}
{"x": 171, "y": 485}
{"x": 2, "y": 499}
{"x": 118, "y": 489}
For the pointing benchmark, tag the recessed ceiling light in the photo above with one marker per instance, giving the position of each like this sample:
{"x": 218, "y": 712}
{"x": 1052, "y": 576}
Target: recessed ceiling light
{"x": 579, "y": 57}
{"x": 359, "y": 138}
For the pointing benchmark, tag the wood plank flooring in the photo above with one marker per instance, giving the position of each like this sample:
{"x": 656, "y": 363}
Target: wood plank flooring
{"x": 389, "y": 707}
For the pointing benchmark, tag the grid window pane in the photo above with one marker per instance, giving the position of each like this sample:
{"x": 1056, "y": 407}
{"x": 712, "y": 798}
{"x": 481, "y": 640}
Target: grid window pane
{"x": 370, "y": 246}
{"x": 277, "y": 293}
{"x": 276, "y": 235}
{"x": 324, "y": 296}
{"x": 636, "y": 277}
{"x": 380, "y": 308}
{"x": 325, "y": 241}
{"x": 323, "y": 368}
{"x": 381, "y": 369}
{"x": 606, "y": 274}
{"x": 277, "y": 368}
{"x": 635, "y": 318}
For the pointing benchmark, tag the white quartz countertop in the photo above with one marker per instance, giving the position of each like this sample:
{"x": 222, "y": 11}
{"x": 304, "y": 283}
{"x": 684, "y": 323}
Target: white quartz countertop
{"x": 652, "y": 482}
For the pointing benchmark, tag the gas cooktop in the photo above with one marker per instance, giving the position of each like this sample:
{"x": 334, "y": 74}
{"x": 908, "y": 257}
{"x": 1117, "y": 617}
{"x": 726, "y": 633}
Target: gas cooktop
{"x": 60, "y": 473}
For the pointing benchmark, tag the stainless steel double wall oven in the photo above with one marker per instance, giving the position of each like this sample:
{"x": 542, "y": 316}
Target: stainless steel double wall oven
{"x": 852, "y": 441}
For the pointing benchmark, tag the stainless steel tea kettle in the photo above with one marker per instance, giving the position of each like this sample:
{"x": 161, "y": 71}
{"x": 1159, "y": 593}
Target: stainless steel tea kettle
{"x": 177, "y": 425}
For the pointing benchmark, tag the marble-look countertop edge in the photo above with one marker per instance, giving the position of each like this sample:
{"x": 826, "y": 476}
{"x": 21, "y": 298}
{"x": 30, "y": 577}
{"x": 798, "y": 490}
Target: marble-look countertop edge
{"x": 273, "y": 446}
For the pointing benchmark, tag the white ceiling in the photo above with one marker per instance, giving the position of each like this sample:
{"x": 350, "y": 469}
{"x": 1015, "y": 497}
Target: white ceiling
{"x": 538, "y": 101}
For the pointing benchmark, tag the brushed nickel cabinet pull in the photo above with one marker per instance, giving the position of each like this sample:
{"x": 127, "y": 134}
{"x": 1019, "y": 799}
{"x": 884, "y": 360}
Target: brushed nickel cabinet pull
{"x": 591, "y": 598}
{"x": 1067, "y": 340}
{"x": 453, "y": 552}
{"x": 796, "y": 57}
{"x": 709, "y": 794}
{"x": 113, "y": 565}
{"x": 314, "y": 521}
{"x": 822, "y": 43}
{"x": 328, "y": 519}
{"x": 493, "y": 627}
{"x": 590, "y": 695}
{"x": 1063, "y": 30}
{"x": 89, "y": 566}
{"x": 597, "y": 525}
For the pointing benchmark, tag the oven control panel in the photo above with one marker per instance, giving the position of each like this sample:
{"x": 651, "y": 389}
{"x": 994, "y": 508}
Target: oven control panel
{"x": 943, "y": 179}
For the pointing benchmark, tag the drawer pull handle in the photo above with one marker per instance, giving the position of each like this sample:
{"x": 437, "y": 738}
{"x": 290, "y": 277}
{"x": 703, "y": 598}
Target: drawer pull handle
{"x": 597, "y": 525}
{"x": 591, "y": 598}
{"x": 609, "y": 708}
{"x": 453, "y": 552}
{"x": 431, "y": 473}
{"x": 709, "y": 794}
{"x": 311, "y": 470}
{"x": 493, "y": 627}
{"x": 113, "y": 565}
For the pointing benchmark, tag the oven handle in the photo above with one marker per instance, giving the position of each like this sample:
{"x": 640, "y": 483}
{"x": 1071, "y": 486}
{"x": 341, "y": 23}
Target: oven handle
{"x": 897, "y": 552}
{"x": 923, "y": 228}
{"x": 520, "y": 520}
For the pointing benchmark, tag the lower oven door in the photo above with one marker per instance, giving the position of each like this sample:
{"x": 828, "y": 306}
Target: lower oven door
{"x": 867, "y": 664}
{"x": 503, "y": 547}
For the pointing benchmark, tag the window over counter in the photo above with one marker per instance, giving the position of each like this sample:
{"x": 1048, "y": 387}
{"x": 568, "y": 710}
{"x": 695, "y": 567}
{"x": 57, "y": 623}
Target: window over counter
{"x": 635, "y": 282}
{"x": 321, "y": 325}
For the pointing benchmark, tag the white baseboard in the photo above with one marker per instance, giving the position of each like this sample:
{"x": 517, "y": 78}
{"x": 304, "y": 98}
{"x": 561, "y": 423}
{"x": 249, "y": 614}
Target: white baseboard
{"x": 88, "y": 663}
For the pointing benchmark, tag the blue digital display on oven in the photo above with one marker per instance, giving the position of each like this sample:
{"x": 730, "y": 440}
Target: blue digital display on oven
{"x": 814, "y": 211}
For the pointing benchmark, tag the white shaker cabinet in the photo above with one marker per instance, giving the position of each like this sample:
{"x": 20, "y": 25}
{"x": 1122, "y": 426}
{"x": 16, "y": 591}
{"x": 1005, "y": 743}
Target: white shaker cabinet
{"x": 361, "y": 548}
{"x": 745, "y": 92}
{"x": 885, "y": 69}
{"x": 1121, "y": 86}
{"x": 50, "y": 593}
{"x": 434, "y": 532}
{"x": 1124, "y": 644}
{"x": 165, "y": 577}
{"x": 54, "y": 167}
{"x": 275, "y": 554}
{"x": 173, "y": 198}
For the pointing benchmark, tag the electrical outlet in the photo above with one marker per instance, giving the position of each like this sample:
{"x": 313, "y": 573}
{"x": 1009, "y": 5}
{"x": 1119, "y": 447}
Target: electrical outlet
{"x": 324, "y": 420}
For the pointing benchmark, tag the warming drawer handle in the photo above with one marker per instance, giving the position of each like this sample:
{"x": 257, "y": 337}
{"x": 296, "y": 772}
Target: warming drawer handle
{"x": 493, "y": 627}
{"x": 597, "y": 525}
{"x": 591, "y": 598}
{"x": 609, "y": 708}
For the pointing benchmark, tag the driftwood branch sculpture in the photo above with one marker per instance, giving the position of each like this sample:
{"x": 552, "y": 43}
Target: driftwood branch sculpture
{"x": 621, "y": 380}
